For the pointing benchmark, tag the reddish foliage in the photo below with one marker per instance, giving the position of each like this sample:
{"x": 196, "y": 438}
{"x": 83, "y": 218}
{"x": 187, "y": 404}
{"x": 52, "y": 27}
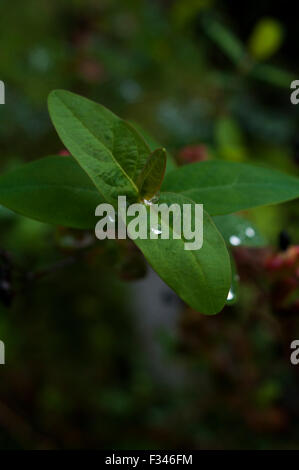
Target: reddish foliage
{"x": 193, "y": 153}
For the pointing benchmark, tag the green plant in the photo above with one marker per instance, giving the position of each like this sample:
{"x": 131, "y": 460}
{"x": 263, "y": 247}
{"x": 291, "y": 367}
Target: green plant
{"x": 111, "y": 158}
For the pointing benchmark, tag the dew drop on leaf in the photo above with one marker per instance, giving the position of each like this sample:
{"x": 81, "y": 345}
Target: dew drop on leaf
{"x": 250, "y": 232}
{"x": 234, "y": 240}
{"x": 230, "y": 295}
{"x": 153, "y": 200}
{"x": 156, "y": 230}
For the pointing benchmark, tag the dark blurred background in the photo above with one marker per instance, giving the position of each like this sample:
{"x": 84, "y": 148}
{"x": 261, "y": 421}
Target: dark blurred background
{"x": 99, "y": 352}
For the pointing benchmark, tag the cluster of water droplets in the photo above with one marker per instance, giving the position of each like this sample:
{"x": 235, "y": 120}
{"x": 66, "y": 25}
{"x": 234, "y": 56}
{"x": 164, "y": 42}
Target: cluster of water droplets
{"x": 243, "y": 236}
{"x": 150, "y": 202}
{"x": 236, "y": 240}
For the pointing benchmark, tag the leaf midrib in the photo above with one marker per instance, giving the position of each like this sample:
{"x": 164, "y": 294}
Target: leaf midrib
{"x": 197, "y": 262}
{"x": 96, "y": 138}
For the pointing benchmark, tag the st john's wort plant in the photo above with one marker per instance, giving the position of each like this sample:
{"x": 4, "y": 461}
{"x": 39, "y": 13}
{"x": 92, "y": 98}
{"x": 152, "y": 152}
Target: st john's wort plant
{"x": 110, "y": 158}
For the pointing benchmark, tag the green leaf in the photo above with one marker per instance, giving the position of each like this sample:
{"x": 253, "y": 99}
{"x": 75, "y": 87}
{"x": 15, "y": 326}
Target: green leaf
{"x": 110, "y": 150}
{"x": 229, "y": 139}
{"x": 226, "y": 187}
{"x": 153, "y": 145}
{"x": 53, "y": 190}
{"x": 151, "y": 177}
{"x": 238, "y": 231}
{"x": 201, "y": 277}
{"x": 273, "y": 75}
{"x": 182, "y": 13}
{"x": 266, "y": 38}
{"x": 225, "y": 39}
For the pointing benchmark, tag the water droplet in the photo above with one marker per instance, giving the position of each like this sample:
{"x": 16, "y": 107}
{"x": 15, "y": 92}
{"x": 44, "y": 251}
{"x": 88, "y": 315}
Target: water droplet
{"x": 230, "y": 295}
{"x": 234, "y": 240}
{"x": 147, "y": 202}
{"x": 156, "y": 230}
{"x": 250, "y": 232}
{"x": 153, "y": 200}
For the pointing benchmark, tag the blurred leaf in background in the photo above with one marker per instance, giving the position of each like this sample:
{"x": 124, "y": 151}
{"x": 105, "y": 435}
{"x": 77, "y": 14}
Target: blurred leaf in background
{"x": 266, "y": 38}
